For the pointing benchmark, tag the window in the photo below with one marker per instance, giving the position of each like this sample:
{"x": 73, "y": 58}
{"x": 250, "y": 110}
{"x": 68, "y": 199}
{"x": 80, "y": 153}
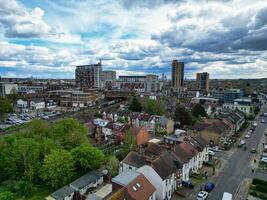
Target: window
{"x": 130, "y": 167}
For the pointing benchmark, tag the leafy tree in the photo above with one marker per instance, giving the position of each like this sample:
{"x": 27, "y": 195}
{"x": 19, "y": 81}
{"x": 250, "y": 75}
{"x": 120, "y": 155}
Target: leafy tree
{"x": 69, "y": 133}
{"x": 38, "y": 129}
{"x": 129, "y": 144}
{"x": 87, "y": 157}
{"x": 113, "y": 166}
{"x": 58, "y": 168}
{"x": 198, "y": 110}
{"x": 5, "y": 107}
{"x": 153, "y": 107}
{"x": 7, "y": 196}
{"x": 183, "y": 116}
{"x": 123, "y": 120}
{"x": 26, "y": 157}
{"x": 135, "y": 105}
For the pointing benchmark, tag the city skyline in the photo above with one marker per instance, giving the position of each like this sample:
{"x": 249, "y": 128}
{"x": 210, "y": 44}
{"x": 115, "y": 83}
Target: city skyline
{"x": 45, "y": 39}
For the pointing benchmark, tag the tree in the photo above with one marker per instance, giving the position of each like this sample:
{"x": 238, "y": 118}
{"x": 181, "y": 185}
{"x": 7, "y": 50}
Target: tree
{"x": 153, "y": 107}
{"x": 5, "y": 107}
{"x": 26, "y": 157}
{"x": 113, "y": 166}
{"x": 135, "y": 105}
{"x": 87, "y": 157}
{"x": 129, "y": 144}
{"x": 183, "y": 116}
{"x": 58, "y": 168}
{"x": 199, "y": 110}
{"x": 7, "y": 196}
{"x": 69, "y": 133}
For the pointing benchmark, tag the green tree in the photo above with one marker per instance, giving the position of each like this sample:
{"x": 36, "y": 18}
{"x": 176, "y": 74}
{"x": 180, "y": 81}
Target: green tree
{"x": 135, "y": 105}
{"x": 129, "y": 144}
{"x": 113, "y": 166}
{"x": 87, "y": 157}
{"x": 198, "y": 110}
{"x": 183, "y": 116}
{"x": 69, "y": 133}
{"x": 26, "y": 157}
{"x": 5, "y": 107}
{"x": 153, "y": 107}
{"x": 58, "y": 168}
{"x": 7, "y": 196}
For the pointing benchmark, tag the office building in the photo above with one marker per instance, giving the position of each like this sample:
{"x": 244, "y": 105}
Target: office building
{"x": 227, "y": 96}
{"x": 202, "y": 82}
{"x": 177, "y": 74}
{"x": 108, "y": 79}
{"x": 88, "y": 76}
{"x": 132, "y": 83}
{"x": 152, "y": 83}
{"x": 8, "y": 88}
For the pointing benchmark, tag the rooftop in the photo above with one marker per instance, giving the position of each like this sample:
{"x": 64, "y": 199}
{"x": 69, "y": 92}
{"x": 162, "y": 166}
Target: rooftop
{"x": 62, "y": 192}
{"x": 125, "y": 178}
{"x": 86, "y": 179}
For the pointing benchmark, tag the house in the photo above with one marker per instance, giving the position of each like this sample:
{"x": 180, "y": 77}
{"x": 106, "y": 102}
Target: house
{"x": 242, "y": 104}
{"x": 162, "y": 123}
{"x": 64, "y": 193}
{"x": 164, "y": 173}
{"x": 113, "y": 128}
{"x": 216, "y": 132}
{"x": 140, "y": 133}
{"x": 132, "y": 185}
{"x": 132, "y": 161}
{"x": 37, "y": 105}
{"x": 22, "y": 105}
{"x": 90, "y": 180}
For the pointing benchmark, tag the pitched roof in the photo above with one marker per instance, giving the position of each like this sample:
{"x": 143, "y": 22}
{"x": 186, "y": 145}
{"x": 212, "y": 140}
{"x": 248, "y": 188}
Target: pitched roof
{"x": 139, "y": 188}
{"x": 162, "y": 168}
{"x": 155, "y": 149}
{"x": 135, "y": 159}
{"x": 86, "y": 179}
{"x": 132, "y": 129}
{"x": 125, "y": 178}
{"x": 189, "y": 148}
{"x": 163, "y": 120}
{"x": 62, "y": 192}
{"x": 181, "y": 154}
{"x": 201, "y": 141}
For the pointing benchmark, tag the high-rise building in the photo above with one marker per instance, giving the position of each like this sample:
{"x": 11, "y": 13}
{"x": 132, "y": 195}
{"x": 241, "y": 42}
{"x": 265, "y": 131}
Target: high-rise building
{"x": 227, "y": 96}
{"x": 202, "y": 81}
{"x": 133, "y": 83}
{"x": 108, "y": 79}
{"x": 177, "y": 74}
{"x": 151, "y": 83}
{"x": 88, "y": 76}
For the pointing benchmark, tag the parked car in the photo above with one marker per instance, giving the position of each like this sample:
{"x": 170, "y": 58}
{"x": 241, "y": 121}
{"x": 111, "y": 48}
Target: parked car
{"x": 211, "y": 153}
{"x": 202, "y": 195}
{"x": 253, "y": 150}
{"x": 264, "y": 159}
{"x": 247, "y": 136}
{"x": 263, "y": 121}
{"x": 188, "y": 184}
{"x": 209, "y": 187}
{"x": 241, "y": 143}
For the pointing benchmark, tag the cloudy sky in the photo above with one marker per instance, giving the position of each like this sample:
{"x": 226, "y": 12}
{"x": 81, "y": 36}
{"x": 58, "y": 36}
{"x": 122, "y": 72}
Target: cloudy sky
{"x": 48, "y": 38}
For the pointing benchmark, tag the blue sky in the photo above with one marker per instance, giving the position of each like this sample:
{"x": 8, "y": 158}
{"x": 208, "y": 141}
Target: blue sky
{"x": 47, "y": 39}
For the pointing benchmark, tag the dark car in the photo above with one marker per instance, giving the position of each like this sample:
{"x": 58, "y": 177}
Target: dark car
{"x": 188, "y": 184}
{"x": 209, "y": 187}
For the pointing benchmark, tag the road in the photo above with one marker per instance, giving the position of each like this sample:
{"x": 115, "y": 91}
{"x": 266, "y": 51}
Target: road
{"x": 239, "y": 165}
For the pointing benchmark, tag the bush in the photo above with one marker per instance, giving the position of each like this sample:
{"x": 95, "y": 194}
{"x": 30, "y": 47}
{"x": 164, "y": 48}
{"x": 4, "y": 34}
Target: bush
{"x": 256, "y": 181}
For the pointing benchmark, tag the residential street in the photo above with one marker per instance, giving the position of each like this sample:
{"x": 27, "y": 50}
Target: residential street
{"x": 239, "y": 165}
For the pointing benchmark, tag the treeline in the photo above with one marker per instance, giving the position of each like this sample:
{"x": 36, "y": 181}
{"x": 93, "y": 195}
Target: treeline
{"x": 45, "y": 155}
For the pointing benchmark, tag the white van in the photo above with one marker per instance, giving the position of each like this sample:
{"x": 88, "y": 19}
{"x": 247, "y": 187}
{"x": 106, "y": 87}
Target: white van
{"x": 227, "y": 196}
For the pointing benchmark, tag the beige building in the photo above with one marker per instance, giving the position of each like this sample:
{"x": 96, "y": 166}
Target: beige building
{"x": 177, "y": 74}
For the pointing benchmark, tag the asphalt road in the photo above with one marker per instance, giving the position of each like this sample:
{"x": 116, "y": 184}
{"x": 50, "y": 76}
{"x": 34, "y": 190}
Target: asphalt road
{"x": 239, "y": 165}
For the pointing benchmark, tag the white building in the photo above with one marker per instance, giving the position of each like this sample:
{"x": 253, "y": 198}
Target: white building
{"x": 244, "y": 105}
{"x": 34, "y": 105}
{"x": 8, "y": 88}
{"x": 22, "y": 105}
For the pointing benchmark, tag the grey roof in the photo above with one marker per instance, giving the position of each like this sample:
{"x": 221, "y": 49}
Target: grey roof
{"x": 126, "y": 177}
{"x": 86, "y": 179}
{"x": 62, "y": 192}
{"x": 163, "y": 120}
{"x": 94, "y": 197}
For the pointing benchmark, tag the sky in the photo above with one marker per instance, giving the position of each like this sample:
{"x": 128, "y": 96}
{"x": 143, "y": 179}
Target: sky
{"x": 48, "y": 38}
